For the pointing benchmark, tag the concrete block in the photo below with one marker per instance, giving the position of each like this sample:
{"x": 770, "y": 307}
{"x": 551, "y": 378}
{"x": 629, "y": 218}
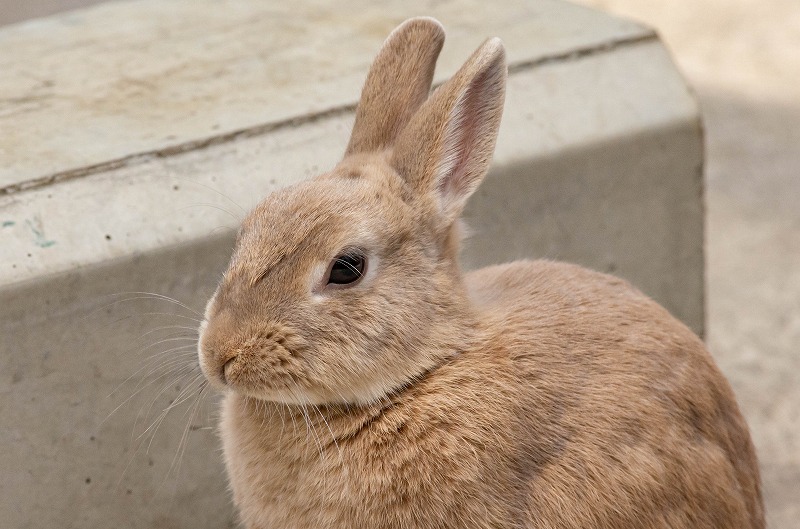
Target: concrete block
{"x": 133, "y": 136}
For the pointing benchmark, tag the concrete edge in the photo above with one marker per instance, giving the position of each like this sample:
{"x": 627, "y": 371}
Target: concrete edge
{"x": 193, "y": 145}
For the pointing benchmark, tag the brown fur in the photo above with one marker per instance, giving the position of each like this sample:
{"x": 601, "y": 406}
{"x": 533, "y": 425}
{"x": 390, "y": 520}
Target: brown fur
{"x": 527, "y": 395}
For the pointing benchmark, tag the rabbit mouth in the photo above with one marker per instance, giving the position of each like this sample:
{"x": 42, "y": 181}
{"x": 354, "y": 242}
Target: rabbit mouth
{"x": 264, "y": 382}
{"x": 264, "y": 359}
{"x": 270, "y": 367}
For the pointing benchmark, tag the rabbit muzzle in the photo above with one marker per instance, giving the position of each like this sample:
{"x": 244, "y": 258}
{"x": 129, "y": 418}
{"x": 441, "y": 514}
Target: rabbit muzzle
{"x": 252, "y": 361}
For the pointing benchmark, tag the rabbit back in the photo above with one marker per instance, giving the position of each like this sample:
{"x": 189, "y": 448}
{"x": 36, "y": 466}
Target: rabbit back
{"x": 645, "y": 427}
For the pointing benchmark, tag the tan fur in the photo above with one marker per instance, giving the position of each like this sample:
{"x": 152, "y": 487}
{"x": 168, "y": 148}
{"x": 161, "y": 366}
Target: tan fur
{"x": 527, "y": 395}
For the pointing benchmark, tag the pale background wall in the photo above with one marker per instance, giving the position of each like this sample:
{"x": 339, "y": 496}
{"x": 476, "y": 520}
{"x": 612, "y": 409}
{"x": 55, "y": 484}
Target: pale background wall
{"x": 743, "y": 58}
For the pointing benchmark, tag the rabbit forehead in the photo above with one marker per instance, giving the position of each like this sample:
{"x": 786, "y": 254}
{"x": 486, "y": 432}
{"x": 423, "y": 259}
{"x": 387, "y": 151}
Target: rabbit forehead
{"x": 311, "y": 220}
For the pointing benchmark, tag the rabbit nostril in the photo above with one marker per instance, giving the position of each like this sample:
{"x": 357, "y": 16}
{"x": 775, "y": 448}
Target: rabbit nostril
{"x": 225, "y": 367}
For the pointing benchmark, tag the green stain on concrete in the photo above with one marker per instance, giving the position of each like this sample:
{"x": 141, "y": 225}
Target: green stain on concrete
{"x": 38, "y": 234}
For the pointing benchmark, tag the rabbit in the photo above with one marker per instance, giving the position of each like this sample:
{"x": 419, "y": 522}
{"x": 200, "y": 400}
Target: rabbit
{"x": 369, "y": 383}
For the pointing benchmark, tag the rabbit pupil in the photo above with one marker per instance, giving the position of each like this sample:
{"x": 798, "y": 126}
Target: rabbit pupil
{"x": 346, "y": 269}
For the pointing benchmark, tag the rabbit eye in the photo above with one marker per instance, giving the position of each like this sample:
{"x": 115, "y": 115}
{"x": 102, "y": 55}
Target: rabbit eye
{"x": 347, "y": 269}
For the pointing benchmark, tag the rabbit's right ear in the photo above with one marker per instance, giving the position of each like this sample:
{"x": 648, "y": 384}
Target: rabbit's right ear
{"x": 445, "y": 150}
{"x": 397, "y": 84}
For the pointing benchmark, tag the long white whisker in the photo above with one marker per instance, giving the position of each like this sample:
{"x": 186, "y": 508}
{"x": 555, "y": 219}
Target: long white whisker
{"x": 217, "y": 191}
{"x": 153, "y": 365}
{"x": 333, "y": 437}
{"x": 180, "y": 373}
{"x": 207, "y": 205}
{"x": 184, "y": 394}
{"x": 185, "y": 437}
{"x": 170, "y": 314}
{"x": 172, "y": 370}
{"x": 135, "y": 452}
{"x": 147, "y": 364}
{"x": 309, "y": 423}
{"x": 155, "y": 295}
{"x": 177, "y": 328}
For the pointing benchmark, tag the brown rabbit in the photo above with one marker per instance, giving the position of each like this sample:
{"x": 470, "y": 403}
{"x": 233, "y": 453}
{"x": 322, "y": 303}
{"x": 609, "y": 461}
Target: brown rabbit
{"x": 370, "y": 384}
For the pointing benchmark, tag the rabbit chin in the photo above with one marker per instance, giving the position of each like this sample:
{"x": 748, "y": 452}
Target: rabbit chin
{"x": 364, "y": 394}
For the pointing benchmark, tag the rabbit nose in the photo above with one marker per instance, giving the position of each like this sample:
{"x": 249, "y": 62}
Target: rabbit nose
{"x": 226, "y": 367}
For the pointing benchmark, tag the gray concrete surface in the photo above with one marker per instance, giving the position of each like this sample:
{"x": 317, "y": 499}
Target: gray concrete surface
{"x": 743, "y": 58}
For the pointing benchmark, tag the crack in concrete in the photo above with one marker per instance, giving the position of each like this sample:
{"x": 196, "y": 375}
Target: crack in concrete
{"x": 258, "y": 130}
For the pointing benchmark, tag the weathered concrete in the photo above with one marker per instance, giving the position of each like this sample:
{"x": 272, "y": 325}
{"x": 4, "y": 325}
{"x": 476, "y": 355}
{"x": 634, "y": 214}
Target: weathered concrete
{"x": 181, "y": 72}
{"x": 128, "y": 151}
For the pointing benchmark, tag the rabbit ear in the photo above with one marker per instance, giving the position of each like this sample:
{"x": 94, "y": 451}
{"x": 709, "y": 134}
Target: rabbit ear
{"x": 397, "y": 84}
{"x": 446, "y": 148}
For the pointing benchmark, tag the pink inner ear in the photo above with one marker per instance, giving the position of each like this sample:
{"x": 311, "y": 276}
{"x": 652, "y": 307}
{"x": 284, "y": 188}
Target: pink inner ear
{"x": 464, "y": 154}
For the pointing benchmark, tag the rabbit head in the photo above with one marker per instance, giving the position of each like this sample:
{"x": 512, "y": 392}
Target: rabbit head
{"x": 346, "y": 287}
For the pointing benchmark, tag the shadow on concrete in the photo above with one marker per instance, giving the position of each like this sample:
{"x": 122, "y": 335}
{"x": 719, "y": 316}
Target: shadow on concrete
{"x": 13, "y": 11}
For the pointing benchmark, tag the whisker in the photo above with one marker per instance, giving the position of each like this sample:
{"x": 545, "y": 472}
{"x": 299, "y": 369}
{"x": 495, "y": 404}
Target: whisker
{"x": 263, "y": 414}
{"x": 148, "y": 297}
{"x": 222, "y": 228}
{"x": 309, "y": 423}
{"x": 281, "y": 408}
{"x": 149, "y": 364}
{"x": 177, "y": 374}
{"x": 217, "y": 191}
{"x": 179, "y": 356}
{"x": 142, "y": 314}
{"x": 182, "y": 396}
{"x": 214, "y": 206}
{"x": 139, "y": 441}
{"x": 168, "y": 339}
{"x": 138, "y": 390}
{"x": 183, "y": 329}
{"x": 155, "y": 295}
{"x": 166, "y": 355}
{"x": 185, "y": 436}
{"x": 350, "y": 266}
{"x": 328, "y": 426}
{"x": 170, "y": 314}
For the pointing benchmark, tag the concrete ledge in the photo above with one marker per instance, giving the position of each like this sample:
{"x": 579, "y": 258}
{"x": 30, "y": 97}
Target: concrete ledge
{"x": 130, "y": 148}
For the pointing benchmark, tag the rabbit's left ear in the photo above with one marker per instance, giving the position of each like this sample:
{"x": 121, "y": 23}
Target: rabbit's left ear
{"x": 446, "y": 148}
{"x": 397, "y": 83}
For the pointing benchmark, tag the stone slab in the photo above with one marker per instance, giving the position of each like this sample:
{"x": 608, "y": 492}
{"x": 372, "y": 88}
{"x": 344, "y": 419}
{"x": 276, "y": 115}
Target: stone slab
{"x": 179, "y": 74}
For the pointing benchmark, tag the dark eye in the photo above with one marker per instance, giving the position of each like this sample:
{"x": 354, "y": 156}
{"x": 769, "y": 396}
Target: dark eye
{"x": 347, "y": 268}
